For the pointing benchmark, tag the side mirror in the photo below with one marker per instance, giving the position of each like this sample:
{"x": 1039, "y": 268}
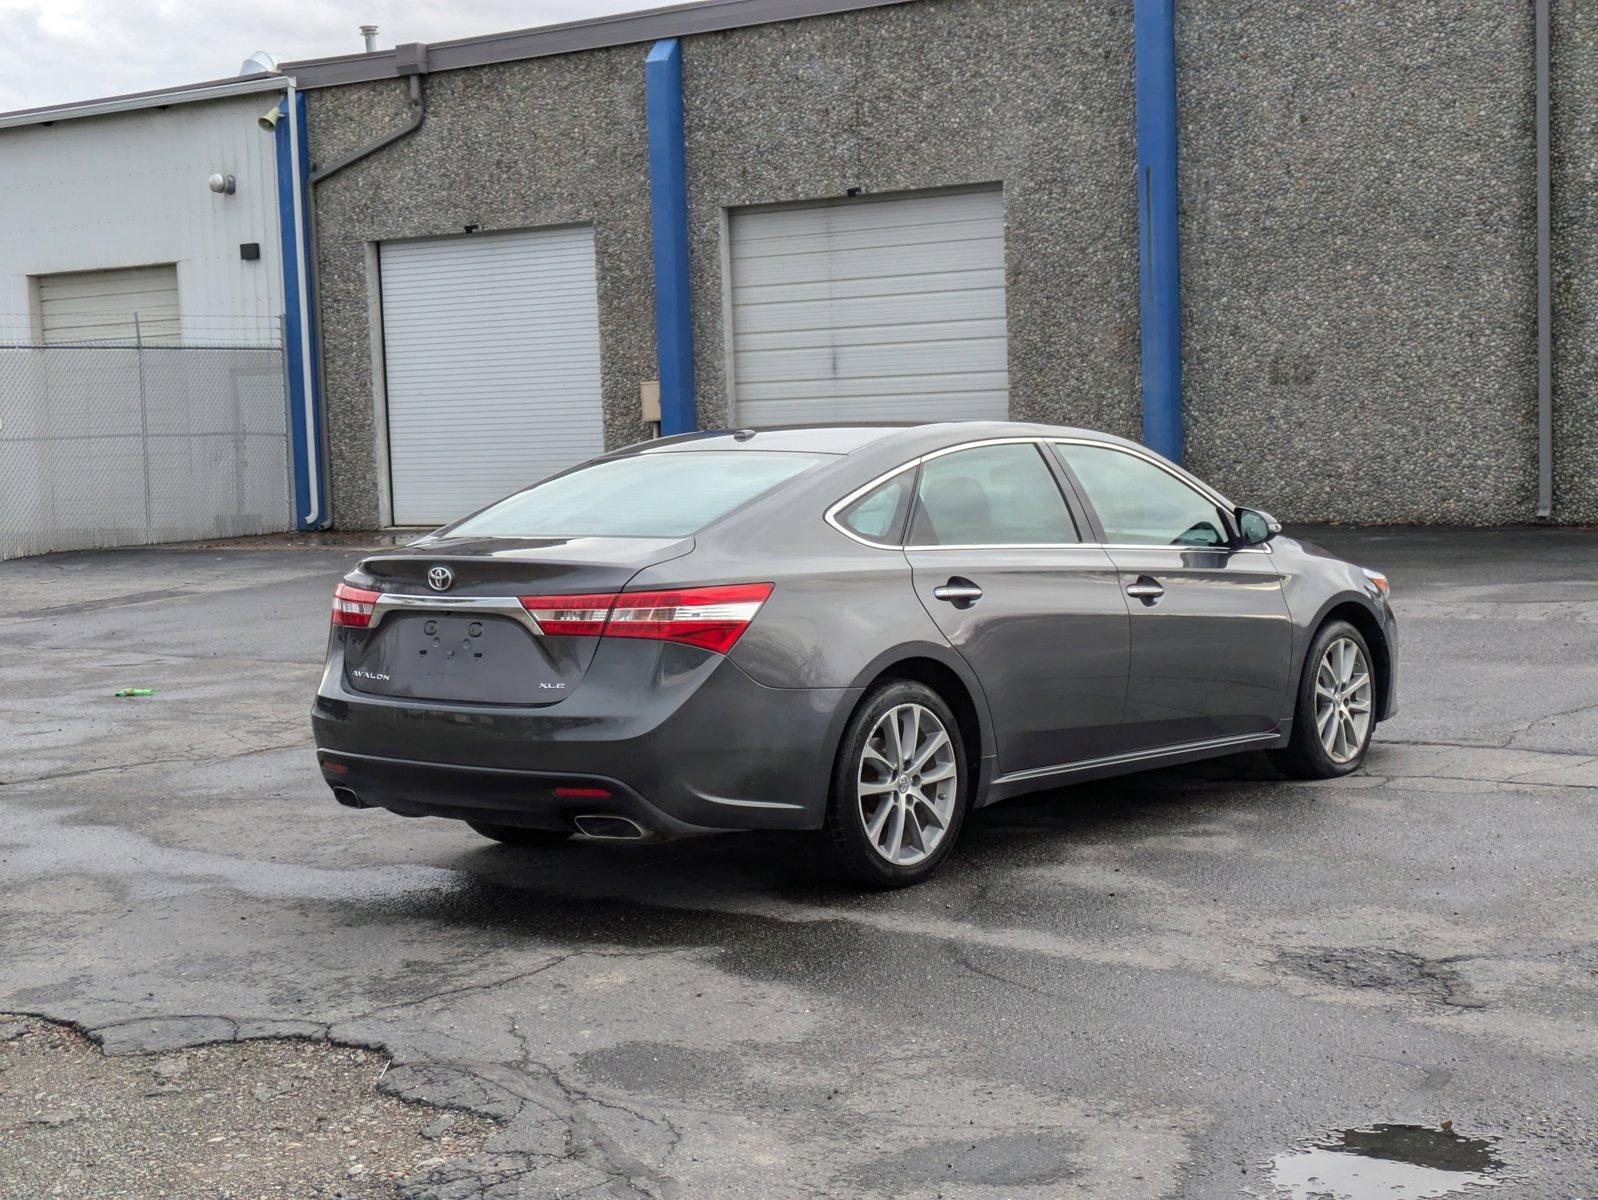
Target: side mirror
{"x": 1255, "y": 528}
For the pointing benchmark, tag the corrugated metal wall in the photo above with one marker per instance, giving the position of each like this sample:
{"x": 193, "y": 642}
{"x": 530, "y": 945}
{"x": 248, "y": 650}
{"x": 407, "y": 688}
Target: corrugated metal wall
{"x": 129, "y": 190}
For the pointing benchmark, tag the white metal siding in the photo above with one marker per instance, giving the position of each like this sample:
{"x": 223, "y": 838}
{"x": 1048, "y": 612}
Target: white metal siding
{"x": 104, "y": 306}
{"x": 887, "y": 309}
{"x": 491, "y": 354}
{"x": 130, "y": 188}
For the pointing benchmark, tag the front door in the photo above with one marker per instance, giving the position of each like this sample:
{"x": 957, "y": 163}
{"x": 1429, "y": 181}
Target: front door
{"x": 999, "y": 564}
{"x": 1211, "y": 634}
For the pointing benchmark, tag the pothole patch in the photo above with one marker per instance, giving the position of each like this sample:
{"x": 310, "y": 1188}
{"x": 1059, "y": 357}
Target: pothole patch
{"x": 1395, "y": 972}
{"x": 270, "y": 1118}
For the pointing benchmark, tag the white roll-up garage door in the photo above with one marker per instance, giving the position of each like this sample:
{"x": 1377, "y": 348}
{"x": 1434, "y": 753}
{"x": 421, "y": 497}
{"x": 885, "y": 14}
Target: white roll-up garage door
{"x": 124, "y": 305}
{"x": 881, "y": 309}
{"x": 491, "y": 352}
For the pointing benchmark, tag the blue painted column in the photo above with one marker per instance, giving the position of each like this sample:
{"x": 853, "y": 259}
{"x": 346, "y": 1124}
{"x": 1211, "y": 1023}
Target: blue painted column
{"x": 668, "y": 193}
{"x": 1159, "y": 288}
{"x": 299, "y": 350}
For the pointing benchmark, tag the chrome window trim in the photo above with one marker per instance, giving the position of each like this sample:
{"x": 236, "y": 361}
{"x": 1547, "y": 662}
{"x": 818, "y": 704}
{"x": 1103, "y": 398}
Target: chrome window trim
{"x": 497, "y": 606}
{"x": 831, "y": 515}
{"x": 1265, "y": 549}
{"x": 1039, "y": 440}
{"x": 1176, "y": 473}
{"x": 1008, "y": 546}
{"x": 1171, "y": 469}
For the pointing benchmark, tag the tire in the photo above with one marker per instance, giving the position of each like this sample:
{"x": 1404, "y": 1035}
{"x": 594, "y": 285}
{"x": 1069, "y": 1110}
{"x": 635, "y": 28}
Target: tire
{"x": 1330, "y": 696}
{"x": 515, "y": 835}
{"x": 902, "y": 843}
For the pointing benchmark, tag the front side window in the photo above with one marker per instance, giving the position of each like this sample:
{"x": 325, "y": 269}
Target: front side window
{"x": 669, "y": 494}
{"x": 1141, "y": 505}
{"x": 1001, "y": 495}
{"x": 878, "y": 516}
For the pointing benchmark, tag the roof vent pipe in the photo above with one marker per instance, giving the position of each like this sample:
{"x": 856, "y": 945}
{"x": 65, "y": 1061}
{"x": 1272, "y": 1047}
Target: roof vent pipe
{"x": 369, "y": 35}
{"x": 260, "y": 63}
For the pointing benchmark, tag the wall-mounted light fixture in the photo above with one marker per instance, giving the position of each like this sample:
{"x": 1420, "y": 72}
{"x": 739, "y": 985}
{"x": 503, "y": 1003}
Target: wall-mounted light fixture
{"x": 222, "y": 185}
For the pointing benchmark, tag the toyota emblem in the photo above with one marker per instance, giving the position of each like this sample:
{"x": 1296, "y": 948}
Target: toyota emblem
{"x": 440, "y": 579}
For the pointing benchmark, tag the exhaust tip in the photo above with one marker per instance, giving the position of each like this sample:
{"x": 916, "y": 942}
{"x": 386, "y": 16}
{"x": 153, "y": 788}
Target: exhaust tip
{"x": 610, "y": 828}
{"x": 348, "y": 798}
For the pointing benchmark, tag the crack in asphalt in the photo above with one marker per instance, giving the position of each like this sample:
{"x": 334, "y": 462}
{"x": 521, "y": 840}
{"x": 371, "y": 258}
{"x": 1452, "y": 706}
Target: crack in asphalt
{"x": 1385, "y": 741}
{"x": 589, "y": 1144}
{"x": 492, "y": 984}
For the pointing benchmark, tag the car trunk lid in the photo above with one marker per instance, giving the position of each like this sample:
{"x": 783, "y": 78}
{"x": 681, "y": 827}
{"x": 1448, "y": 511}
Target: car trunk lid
{"x": 449, "y": 625}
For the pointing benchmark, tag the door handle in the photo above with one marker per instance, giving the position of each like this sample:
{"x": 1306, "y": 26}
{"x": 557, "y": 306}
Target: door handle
{"x": 961, "y": 593}
{"x": 1146, "y": 590}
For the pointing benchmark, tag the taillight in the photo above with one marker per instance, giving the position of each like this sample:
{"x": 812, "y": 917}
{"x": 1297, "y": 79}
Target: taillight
{"x": 352, "y": 606}
{"x": 575, "y": 616}
{"x": 713, "y": 618}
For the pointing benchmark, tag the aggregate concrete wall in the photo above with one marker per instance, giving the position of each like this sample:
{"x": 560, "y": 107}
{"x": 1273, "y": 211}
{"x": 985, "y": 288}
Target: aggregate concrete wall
{"x": 1358, "y": 222}
{"x": 1358, "y": 258}
{"x": 550, "y": 141}
{"x": 1035, "y": 96}
{"x": 1574, "y": 104}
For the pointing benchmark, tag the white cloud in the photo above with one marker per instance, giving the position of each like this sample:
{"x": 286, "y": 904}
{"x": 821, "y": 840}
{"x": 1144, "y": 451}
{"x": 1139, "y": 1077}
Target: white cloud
{"x": 63, "y": 50}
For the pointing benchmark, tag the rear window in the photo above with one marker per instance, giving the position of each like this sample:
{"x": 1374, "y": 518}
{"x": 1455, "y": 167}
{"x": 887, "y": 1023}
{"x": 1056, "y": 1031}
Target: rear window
{"x": 649, "y": 495}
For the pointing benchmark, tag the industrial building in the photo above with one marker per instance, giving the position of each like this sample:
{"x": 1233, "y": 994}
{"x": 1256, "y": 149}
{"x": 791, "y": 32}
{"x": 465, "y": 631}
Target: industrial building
{"x": 527, "y": 247}
{"x": 154, "y": 360}
{"x": 929, "y": 209}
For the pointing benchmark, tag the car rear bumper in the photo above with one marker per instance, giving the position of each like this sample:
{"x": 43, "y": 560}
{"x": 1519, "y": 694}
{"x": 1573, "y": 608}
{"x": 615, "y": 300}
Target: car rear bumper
{"x": 529, "y": 799}
{"x": 680, "y": 738}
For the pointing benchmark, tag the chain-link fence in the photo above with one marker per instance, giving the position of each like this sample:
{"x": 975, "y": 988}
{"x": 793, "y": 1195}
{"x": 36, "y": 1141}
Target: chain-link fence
{"x": 118, "y": 445}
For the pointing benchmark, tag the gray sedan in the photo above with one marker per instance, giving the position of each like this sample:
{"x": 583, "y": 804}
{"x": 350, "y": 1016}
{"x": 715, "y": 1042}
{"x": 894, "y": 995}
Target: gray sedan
{"x": 862, "y": 630}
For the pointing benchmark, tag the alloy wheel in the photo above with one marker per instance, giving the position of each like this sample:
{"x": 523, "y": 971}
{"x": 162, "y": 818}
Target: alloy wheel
{"x": 1343, "y": 700}
{"x": 907, "y": 784}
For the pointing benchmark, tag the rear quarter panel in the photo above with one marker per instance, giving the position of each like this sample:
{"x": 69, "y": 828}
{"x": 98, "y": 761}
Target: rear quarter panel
{"x": 841, "y": 612}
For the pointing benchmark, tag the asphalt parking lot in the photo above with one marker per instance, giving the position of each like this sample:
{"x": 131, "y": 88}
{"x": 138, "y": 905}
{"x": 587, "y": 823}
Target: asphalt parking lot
{"x": 1169, "y": 985}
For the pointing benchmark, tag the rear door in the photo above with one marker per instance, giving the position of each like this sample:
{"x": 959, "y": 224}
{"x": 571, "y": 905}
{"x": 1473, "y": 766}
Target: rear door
{"x": 999, "y": 563}
{"x": 1211, "y": 634}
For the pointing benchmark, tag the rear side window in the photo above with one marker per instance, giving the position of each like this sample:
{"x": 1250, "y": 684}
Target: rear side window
{"x": 879, "y": 515}
{"x": 990, "y": 496}
{"x": 671, "y": 494}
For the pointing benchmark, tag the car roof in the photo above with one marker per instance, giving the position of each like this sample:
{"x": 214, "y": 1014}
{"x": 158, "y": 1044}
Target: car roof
{"x": 912, "y": 437}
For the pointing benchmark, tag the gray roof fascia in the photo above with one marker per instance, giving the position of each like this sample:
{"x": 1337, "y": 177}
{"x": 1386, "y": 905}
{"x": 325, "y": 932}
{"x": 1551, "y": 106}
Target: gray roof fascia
{"x": 619, "y": 29}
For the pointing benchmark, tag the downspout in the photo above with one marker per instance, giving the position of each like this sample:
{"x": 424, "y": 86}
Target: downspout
{"x": 1545, "y": 318}
{"x": 410, "y": 60}
{"x": 1159, "y": 276}
{"x": 418, "y": 103}
{"x": 305, "y": 438}
{"x": 668, "y": 195}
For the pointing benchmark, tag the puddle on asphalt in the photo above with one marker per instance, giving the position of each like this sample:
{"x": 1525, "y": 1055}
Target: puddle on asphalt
{"x": 1385, "y": 1162}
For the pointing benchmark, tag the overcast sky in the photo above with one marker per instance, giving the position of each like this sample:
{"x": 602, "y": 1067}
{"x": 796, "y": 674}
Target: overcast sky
{"x": 53, "y": 51}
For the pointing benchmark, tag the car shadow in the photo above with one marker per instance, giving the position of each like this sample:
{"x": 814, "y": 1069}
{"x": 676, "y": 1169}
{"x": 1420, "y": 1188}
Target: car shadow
{"x": 722, "y": 890}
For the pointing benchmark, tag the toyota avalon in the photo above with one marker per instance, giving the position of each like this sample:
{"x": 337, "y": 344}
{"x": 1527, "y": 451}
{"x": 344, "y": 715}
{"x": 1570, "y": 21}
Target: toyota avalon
{"x": 866, "y": 631}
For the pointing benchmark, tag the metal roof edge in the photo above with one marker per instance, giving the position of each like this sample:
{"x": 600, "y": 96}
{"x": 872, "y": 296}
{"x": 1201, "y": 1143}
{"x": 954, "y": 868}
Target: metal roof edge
{"x": 594, "y": 33}
{"x": 212, "y": 89}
